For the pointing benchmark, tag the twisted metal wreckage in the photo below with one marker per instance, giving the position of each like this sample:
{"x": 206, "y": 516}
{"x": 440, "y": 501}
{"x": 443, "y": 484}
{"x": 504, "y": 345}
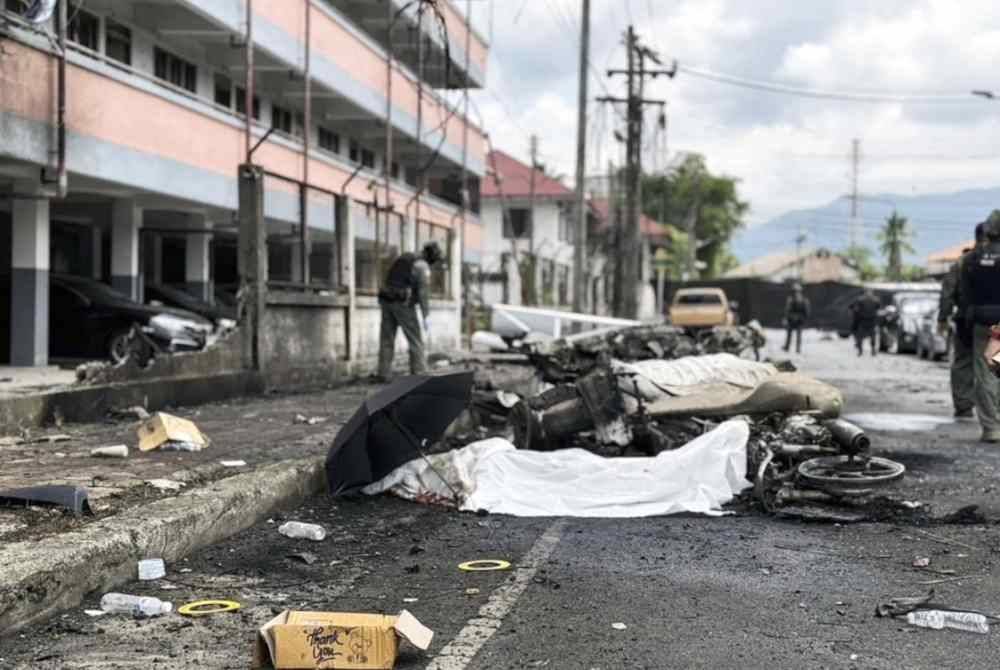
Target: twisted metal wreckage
{"x": 647, "y": 389}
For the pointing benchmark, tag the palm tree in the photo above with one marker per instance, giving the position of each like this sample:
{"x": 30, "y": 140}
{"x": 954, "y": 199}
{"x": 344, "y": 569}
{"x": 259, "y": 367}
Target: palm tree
{"x": 894, "y": 242}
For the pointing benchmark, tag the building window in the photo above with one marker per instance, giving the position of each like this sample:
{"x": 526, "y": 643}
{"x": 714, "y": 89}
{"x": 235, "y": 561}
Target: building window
{"x": 329, "y": 140}
{"x": 377, "y": 244}
{"x": 395, "y": 170}
{"x": 368, "y": 158}
{"x": 354, "y": 151}
{"x": 84, "y": 28}
{"x": 566, "y": 223}
{"x": 223, "y": 91}
{"x": 15, "y": 6}
{"x": 429, "y": 232}
{"x": 117, "y": 42}
{"x": 281, "y": 119}
{"x": 241, "y": 103}
{"x": 517, "y": 223}
{"x": 176, "y": 70}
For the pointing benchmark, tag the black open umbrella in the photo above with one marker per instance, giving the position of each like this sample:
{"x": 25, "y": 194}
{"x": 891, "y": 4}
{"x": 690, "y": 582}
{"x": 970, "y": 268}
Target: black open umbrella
{"x": 390, "y": 428}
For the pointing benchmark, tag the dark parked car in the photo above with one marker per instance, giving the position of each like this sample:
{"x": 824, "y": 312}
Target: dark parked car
{"x": 88, "y": 319}
{"x": 222, "y": 315}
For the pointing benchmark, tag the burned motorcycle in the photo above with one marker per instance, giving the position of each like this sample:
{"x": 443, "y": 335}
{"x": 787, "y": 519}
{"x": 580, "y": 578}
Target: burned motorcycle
{"x": 834, "y": 465}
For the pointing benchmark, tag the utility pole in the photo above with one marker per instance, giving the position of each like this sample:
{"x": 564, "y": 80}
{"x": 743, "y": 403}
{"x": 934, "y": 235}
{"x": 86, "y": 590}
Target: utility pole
{"x": 855, "y": 196}
{"x": 533, "y": 270}
{"x": 580, "y": 285}
{"x": 630, "y": 257}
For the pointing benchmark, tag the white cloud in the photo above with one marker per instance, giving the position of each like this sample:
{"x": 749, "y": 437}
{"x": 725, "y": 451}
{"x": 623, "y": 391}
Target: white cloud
{"x": 788, "y": 152}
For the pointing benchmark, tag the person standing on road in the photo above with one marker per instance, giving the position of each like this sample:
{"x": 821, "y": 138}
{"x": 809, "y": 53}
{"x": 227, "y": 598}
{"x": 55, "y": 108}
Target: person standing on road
{"x": 865, "y": 322}
{"x": 407, "y": 285}
{"x": 951, "y": 310}
{"x": 797, "y": 310}
{"x": 980, "y": 291}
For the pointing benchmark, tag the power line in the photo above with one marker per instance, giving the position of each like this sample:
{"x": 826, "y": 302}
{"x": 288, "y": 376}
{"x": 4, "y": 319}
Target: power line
{"x": 845, "y": 96}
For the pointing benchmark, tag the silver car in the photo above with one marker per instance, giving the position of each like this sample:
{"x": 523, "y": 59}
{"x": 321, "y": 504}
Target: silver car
{"x": 930, "y": 343}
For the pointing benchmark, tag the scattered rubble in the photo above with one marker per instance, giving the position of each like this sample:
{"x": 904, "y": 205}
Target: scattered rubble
{"x": 116, "y": 451}
{"x": 73, "y": 498}
{"x": 170, "y": 433}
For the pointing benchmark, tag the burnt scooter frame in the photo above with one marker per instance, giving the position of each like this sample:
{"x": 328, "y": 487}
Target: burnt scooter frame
{"x": 790, "y": 473}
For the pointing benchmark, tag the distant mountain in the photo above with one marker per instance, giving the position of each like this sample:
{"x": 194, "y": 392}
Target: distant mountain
{"x": 940, "y": 220}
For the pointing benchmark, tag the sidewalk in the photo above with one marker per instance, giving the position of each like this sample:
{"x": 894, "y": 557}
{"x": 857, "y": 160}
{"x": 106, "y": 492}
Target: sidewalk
{"x": 55, "y": 559}
{"x": 260, "y": 430}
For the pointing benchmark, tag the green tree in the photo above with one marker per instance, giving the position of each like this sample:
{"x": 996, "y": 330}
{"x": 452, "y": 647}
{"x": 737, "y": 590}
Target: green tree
{"x": 860, "y": 258}
{"x": 894, "y": 241}
{"x": 691, "y": 196}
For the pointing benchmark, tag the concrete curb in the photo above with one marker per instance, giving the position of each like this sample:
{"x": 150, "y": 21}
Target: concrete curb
{"x": 82, "y": 403}
{"x": 42, "y": 577}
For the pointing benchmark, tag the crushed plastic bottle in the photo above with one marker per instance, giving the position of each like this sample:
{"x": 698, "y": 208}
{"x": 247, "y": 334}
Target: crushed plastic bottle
{"x": 137, "y": 606}
{"x": 972, "y": 622}
{"x": 297, "y": 530}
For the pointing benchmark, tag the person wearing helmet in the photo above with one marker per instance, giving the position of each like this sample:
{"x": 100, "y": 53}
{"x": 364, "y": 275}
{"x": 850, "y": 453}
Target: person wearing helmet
{"x": 407, "y": 285}
{"x": 797, "y": 310}
{"x": 950, "y": 311}
{"x": 980, "y": 293}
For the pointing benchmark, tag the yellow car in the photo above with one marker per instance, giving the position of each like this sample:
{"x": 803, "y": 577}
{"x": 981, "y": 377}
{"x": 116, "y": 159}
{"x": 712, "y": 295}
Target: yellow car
{"x": 701, "y": 308}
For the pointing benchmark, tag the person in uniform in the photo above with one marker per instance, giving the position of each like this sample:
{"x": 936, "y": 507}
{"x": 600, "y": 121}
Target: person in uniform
{"x": 407, "y": 285}
{"x": 865, "y": 322}
{"x": 797, "y": 310}
{"x": 950, "y": 311}
{"x": 980, "y": 292}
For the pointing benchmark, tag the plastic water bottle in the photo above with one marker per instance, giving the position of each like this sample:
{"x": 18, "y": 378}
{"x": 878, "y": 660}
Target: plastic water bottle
{"x": 972, "y": 622}
{"x": 137, "y": 606}
{"x": 308, "y": 531}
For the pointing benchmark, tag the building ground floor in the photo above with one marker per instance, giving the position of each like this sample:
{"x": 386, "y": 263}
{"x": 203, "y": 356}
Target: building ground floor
{"x": 324, "y": 259}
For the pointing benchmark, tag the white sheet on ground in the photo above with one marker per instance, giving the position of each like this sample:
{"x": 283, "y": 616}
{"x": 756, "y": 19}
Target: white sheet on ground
{"x": 494, "y": 476}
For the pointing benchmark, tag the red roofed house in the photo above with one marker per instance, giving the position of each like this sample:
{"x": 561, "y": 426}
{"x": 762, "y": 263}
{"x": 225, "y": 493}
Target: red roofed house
{"x": 508, "y": 184}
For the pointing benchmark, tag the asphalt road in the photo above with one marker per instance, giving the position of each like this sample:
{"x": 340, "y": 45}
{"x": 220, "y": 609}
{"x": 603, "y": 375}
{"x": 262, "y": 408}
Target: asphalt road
{"x": 743, "y": 591}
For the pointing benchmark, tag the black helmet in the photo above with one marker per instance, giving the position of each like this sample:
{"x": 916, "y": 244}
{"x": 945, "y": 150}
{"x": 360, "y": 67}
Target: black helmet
{"x": 991, "y": 226}
{"x": 432, "y": 253}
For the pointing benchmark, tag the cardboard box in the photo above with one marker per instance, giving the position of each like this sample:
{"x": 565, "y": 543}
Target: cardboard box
{"x": 336, "y": 640}
{"x": 161, "y": 428}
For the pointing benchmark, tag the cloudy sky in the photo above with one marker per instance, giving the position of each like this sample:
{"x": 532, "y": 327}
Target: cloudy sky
{"x": 789, "y": 152}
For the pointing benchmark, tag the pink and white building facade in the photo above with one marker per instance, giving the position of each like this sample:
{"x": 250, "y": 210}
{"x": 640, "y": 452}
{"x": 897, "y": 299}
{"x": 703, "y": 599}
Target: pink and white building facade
{"x": 141, "y": 186}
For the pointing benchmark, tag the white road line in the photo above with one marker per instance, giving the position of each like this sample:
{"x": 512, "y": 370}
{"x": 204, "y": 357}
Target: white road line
{"x": 458, "y": 653}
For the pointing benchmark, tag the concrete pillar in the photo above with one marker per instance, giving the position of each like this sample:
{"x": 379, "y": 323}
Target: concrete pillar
{"x": 126, "y": 220}
{"x": 253, "y": 264}
{"x": 197, "y": 268}
{"x": 29, "y": 277}
{"x": 455, "y": 270}
{"x": 345, "y": 273}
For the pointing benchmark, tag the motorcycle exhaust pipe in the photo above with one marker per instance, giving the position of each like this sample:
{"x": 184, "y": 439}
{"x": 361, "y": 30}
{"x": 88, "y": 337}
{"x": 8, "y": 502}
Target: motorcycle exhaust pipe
{"x": 851, "y": 438}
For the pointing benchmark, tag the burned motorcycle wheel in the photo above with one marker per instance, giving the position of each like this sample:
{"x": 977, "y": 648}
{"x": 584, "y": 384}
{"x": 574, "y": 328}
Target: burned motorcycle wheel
{"x": 846, "y": 475}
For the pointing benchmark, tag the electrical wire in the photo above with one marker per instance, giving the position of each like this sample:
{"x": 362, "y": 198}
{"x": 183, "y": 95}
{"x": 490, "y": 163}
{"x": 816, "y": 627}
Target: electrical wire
{"x": 844, "y": 96}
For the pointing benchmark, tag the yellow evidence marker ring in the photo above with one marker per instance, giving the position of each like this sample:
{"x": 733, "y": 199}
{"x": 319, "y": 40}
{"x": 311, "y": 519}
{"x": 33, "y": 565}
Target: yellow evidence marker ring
{"x": 484, "y": 566}
{"x": 207, "y": 607}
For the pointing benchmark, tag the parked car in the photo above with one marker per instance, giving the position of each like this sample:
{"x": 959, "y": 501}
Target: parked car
{"x": 222, "y": 316}
{"x": 930, "y": 343}
{"x": 901, "y": 320}
{"x": 88, "y": 319}
{"x": 696, "y": 308}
